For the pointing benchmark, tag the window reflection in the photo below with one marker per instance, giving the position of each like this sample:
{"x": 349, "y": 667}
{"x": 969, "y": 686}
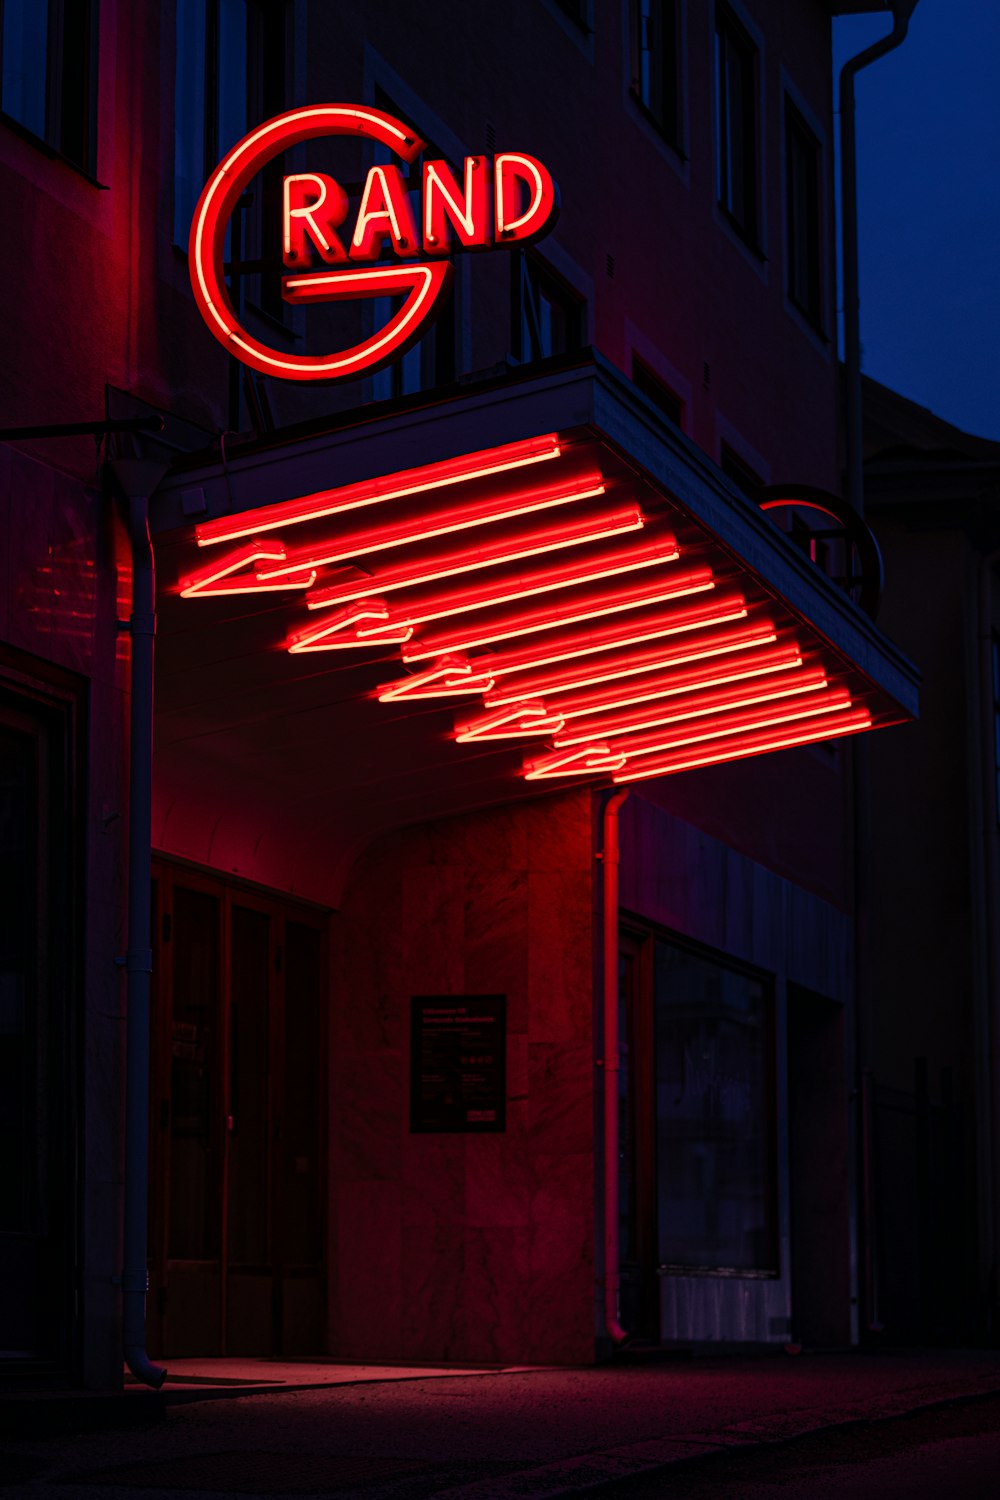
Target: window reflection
{"x": 713, "y": 1115}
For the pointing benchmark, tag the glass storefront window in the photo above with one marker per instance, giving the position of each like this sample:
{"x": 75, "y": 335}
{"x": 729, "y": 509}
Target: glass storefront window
{"x": 714, "y": 1118}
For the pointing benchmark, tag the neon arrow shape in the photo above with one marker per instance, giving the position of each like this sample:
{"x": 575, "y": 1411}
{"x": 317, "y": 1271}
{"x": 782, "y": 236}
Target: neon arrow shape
{"x": 225, "y": 577}
{"x": 511, "y": 723}
{"x": 352, "y": 627}
{"x": 585, "y": 762}
{"x": 451, "y": 676}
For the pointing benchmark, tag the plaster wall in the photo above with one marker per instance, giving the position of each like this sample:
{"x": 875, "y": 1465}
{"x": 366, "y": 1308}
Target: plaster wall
{"x": 64, "y": 581}
{"x": 466, "y": 1247}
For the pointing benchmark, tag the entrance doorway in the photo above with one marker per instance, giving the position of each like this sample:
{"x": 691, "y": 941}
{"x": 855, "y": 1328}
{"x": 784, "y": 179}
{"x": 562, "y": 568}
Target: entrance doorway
{"x": 236, "y": 1130}
{"x": 818, "y": 1163}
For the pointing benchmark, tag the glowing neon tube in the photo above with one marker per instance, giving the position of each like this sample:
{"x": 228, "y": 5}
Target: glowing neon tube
{"x": 573, "y": 532}
{"x": 589, "y": 760}
{"x": 511, "y": 723}
{"x": 688, "y": 706}
{"x": 714, "y": 611}
{"x": 492, "y": 593}
{"x": 627, "y": 692}
{"x": 350, "y": 544}
{"x": 343, "y": 630}
{"x": 224, "y": 575}
{"x": 397, "y": 486}
{"x": 834, "y": 701}
{"x": 530, "y": 622}
{"x": 450, "y": 677}
{"x": 833, "y": 728}
{"x": 640, "y": 659}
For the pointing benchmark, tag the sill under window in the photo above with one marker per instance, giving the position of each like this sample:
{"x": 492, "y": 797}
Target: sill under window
{"x": 742, "y": 233}
{"x": 811, "y": 319}
{"x": 657, "y": 124}
{"x": 52, "y": 152}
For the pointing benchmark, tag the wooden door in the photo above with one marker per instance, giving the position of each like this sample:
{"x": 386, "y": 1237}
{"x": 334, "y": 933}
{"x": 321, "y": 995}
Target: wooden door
{"x": 236, "y": 1204}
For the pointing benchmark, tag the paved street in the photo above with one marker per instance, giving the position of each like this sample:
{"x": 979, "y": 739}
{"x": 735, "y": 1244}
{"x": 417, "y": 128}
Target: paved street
{"x": 685, "y": 1428}
{"x": 951, "y": 1454}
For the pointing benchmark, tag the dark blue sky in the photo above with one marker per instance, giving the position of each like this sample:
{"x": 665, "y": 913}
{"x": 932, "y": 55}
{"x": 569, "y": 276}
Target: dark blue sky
{"x": 929, "y": 206}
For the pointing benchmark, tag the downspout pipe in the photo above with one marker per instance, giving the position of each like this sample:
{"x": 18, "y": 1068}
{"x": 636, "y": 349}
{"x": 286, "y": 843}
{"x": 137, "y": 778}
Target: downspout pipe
{"x": 612, "y": 1063}
{"x": 988, "y": 1037}
{"x": 138, "y": 480}
{"x": 902, "y": 10}
{"x": 854, "y": 491}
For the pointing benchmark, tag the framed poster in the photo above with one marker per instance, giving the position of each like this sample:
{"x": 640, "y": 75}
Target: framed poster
{"x": 458, "y": 1063}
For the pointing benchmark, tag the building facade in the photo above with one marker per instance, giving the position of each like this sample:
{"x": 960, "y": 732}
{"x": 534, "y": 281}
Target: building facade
{"x": 413, "y": 1093}
{"x": 932, "y": 498}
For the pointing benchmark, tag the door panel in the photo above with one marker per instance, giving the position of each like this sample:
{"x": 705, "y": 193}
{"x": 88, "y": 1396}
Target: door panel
{"x": 249, "y": 1275}
{"x": 300, "y": 1144}
{"x": 38, "y": 1007}
{"x": 238, "y": 1098}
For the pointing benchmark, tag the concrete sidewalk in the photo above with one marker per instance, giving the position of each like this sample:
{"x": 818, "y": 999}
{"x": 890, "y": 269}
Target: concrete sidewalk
{"x": 410, "y": 1432}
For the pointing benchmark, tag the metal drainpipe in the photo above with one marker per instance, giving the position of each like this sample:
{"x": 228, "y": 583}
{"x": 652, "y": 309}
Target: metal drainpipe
{"x": 988, "y": 1073}
{"x": 143, "y": 477}
{"x": 902, "y": 10}
{"x": 612, "y": 1274}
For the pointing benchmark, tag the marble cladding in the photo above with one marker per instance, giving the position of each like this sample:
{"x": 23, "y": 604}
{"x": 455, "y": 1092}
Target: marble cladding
{"x": 464, "y": 1247}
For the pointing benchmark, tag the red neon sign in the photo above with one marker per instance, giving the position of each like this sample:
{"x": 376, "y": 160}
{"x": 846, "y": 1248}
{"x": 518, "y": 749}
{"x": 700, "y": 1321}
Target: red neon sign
{"x": 512, "y": 201}
{"x": 530, "y": 596}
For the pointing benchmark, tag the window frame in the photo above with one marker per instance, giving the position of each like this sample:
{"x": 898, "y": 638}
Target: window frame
{"x": 657, "y": 390}
{"x": 670, "y": 131}
{"x": 436, "y": 354}
{"x": 638, "y": 938}
{"x": 797, "y": 131}
{"x": 58, "y": 75}
{"x": 265, "y": 83}
{"x": 530, "y": 276}
{"x": 733, "y": 30}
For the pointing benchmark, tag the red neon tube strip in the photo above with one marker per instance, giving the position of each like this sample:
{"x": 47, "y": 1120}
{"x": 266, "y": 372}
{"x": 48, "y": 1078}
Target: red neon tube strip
{"x": 530, "y": 622}
{"x": 374, "y": 491}
{"x": 497, "y": 591}
{"x": 641, "y": 659}
{"x": 511, "y": 723}
{"x": 450, "y": 677}
{"x": 423, "y": 528}
{"x": 574, "y": 534}
{"x": 691, "y": 706}
{"x": 834, "y": 701}
{"x": 224, "y": 578}
{"x": 539, "y": 540}
{"x": 578, "y": 643}
{"x": 707, "y": 674}
{"x": 752, "y": 744}
{"x": 344, "y": 630}
{"x": 590, "y": 760}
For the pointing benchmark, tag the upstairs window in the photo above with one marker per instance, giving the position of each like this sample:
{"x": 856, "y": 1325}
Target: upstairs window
{"x": 546, "y": 316}
{"x": 651, "y": 386}
{"x": 739, "y": 471}
{"x": 802, "y": 216}
{"x": 230, "y": 75}
{"x": 578, "y": 11}
{"x": 653, "y": 30}
{"x": 49, "y": 73}
{"x": 736, "y": 66}
{"x": 432, "y": 361}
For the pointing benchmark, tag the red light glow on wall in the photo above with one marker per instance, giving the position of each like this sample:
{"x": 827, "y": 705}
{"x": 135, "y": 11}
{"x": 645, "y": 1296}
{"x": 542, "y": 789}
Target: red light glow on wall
{"x": 554, "y": 610}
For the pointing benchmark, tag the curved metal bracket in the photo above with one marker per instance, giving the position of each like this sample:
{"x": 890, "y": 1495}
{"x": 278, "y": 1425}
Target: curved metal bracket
{"x": 856, "y": 530}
